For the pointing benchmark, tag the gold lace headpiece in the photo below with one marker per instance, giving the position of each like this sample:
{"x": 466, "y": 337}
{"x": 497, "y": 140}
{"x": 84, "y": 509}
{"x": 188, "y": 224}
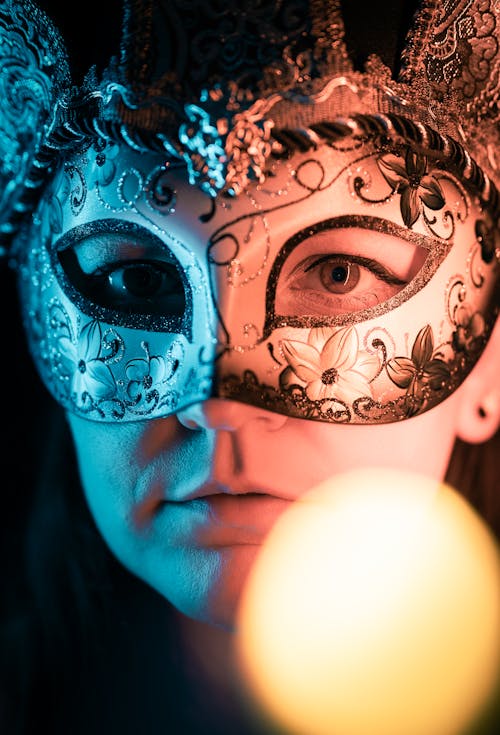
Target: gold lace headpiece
{"x": 226, "y": 115}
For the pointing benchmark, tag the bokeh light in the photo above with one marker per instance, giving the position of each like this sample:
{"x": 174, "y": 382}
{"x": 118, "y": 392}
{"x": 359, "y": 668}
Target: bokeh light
{"x": 374, "y": 609}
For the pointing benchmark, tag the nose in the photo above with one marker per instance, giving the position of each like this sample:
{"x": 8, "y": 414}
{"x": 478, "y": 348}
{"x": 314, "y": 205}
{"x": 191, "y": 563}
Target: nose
{"x": 226, "y": 415}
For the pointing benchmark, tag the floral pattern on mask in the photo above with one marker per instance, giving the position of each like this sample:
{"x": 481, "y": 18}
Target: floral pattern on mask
{"x": 428, "y": 374}
{"x": 485, "y": 234}
{"x": 411, "y": 179}
{"x": 331, "y": 366}
{"x": 331, "y": 378}
{"x": 86, "y": 368}
{"x": 147, "y": 376}
{"x": 421, "y": 374}
{"x": 335, "y": 372}
{"x": 418, "y": 181}
{"x": 91, "y": 379}
{"x": 470, "y": 327}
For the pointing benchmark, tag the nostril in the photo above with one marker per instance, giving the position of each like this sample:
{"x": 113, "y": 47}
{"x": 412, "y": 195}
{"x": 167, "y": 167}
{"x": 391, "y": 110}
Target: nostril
{"x": 189, "y": 423}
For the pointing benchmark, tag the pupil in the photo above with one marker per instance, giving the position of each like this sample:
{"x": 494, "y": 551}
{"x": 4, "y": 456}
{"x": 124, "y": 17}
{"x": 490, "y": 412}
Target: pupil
{"x": 340, "y": 274}
{"x": 141, "y": 281}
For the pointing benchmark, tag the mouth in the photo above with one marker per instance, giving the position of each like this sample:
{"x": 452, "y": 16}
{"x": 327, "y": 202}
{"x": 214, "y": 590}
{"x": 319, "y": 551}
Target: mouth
{"x": 224, "y": 519}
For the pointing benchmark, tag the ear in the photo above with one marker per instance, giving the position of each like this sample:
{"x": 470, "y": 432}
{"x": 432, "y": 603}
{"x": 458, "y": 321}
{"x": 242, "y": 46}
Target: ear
{"x": 479, "y": 411}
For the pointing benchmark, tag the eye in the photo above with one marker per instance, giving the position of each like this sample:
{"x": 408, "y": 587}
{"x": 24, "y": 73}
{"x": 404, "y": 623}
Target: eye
{"x": 336, "y": 284}
{"x": 348, "y": 269}
{"x": 338, "y": 275}
{"x": 338, "y": 271}
{"x": 142, "y": 286}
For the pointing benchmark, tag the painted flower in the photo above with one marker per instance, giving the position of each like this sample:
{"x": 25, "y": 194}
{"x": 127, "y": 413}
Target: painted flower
{"x": 470, "y": 326}
{"x": 331, "y": 365}
{"x": 145, "y": 375}
{"x": 412, "y": 181}
{"x": 421, "y": 373}
{"x": 90, "y": 376}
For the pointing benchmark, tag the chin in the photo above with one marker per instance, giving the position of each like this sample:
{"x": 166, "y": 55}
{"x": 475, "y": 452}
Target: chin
{"x": 213, "y": 592}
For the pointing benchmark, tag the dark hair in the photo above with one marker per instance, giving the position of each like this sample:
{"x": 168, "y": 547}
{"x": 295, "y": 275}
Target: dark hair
{"x": 474, "y": 471}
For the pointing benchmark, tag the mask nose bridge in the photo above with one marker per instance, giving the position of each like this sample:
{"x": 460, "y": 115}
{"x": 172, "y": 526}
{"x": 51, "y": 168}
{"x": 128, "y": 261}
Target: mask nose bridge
{"x": 222, "y": 303}
{"x": 239, "y": 256}
{"x": 225, "y": 297}
{"x": 241, "y": 314}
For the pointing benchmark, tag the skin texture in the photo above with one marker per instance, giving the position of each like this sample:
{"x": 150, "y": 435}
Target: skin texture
{"x": 185, "y": 501}
{"x": 198, "y": 557}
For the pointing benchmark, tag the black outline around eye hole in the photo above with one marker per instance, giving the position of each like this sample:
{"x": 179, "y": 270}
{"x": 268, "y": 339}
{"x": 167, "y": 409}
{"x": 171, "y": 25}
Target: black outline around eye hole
{"x": 437, "y": 251}
{"x": 151, "y": 323}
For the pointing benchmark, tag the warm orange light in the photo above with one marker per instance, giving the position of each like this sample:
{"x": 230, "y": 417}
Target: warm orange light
{"x": 374, "y": 609}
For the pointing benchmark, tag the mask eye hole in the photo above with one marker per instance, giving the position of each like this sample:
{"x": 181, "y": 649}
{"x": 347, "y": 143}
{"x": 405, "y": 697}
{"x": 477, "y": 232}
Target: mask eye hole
{"x": 336, "y": 283}
{"x": 132, "y": 286}
{"x": 122, "y": 274}
{"x": 348, "y": 269}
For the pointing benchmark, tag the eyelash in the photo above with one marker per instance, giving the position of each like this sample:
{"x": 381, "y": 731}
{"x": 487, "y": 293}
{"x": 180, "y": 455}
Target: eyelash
{"x": 109, "y": 289}
{"x": 374, "y": 266}
{"x": 108, "y": 268}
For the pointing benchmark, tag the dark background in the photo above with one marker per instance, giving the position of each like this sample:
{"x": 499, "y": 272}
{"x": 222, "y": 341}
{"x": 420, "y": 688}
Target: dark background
{"x": 92, "y": 33}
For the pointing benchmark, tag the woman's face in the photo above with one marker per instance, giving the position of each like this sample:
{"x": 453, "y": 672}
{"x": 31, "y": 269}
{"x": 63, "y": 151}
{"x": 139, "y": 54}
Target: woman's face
{"x": 218, "y": 361}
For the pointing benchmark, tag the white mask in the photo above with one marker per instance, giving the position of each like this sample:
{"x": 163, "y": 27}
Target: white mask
{"x": 357, "y": 284}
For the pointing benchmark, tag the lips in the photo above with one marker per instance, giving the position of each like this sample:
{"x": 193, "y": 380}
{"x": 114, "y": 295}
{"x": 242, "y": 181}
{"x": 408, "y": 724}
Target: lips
{"x": 232, "y": 520}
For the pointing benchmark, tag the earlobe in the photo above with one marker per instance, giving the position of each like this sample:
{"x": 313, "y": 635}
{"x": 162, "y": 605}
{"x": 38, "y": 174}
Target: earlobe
{"x": 479, "y": 412}
{"x": 478, "y": 423}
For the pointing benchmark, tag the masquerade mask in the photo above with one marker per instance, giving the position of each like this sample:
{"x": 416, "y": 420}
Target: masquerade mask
{"x": 342, "y": 271}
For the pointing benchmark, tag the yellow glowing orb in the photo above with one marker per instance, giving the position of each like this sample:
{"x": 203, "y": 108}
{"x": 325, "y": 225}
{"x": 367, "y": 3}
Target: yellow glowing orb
{"x": 374, "y": 609}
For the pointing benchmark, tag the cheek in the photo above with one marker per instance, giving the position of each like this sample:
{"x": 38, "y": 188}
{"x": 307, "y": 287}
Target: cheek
{"x": 422, "y": 444}
{"x": 108, "y": 469}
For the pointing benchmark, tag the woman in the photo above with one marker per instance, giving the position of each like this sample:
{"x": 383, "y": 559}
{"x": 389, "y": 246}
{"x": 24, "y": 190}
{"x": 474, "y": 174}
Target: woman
{"x": 245, "y": 266}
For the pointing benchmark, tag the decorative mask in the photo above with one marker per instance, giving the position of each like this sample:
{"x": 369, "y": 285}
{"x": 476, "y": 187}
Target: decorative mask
{"x": 292, "y": 234}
